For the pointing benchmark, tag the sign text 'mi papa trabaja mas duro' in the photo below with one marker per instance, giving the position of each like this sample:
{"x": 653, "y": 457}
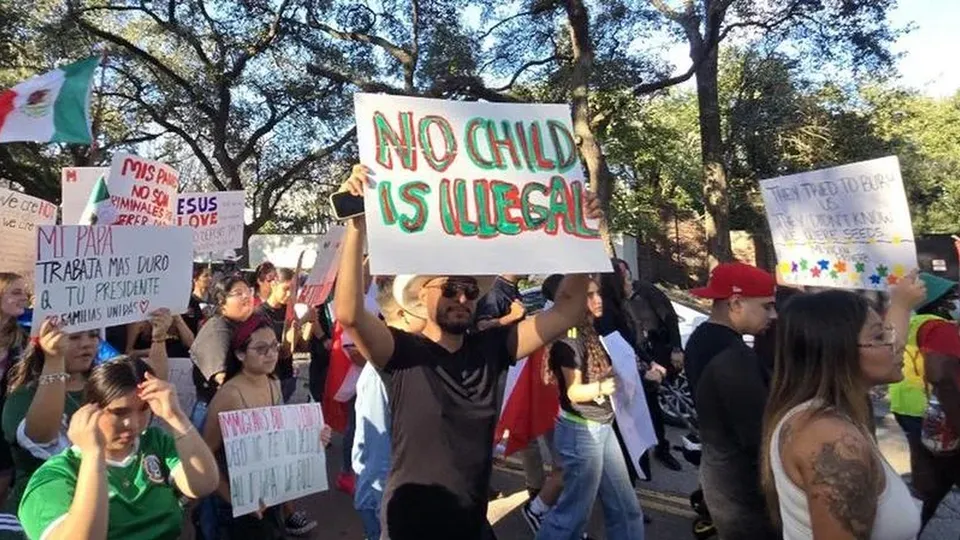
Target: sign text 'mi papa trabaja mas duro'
{"x": 474, "y": 188}
{"x": 91, "y": 277}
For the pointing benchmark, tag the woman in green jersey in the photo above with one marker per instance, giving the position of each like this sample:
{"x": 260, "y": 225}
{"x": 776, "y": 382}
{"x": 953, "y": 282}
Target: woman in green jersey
{"x": 121, "y": 478}
{"x": 46, "y": 388}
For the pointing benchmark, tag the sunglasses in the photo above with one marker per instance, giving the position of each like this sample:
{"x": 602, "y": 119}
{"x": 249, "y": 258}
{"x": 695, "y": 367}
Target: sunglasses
{"x": 453, "y": 289}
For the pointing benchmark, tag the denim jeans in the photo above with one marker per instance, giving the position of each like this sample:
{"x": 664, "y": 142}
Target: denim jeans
{"x": 592, "y": 465}
{"x": 370, "y": 518}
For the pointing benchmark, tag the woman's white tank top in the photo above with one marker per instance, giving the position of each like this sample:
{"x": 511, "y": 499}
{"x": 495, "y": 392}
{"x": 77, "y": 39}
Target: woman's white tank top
{"x": 898, "y": 515}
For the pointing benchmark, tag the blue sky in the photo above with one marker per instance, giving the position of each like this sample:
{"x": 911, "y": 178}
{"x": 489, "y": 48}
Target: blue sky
{"x": 928, "y": 61}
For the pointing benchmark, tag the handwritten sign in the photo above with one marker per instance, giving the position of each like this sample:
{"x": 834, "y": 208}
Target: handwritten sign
{"x": 144, "y": 192}
{"x": 216, "y": 219}
{"x": 324, "y": 272}
{"x": 181, "y": 377}
{"x": 474, "y": 188}
{"x": 92, "y": 277}
{"x": 19, "y": 217}
{"x": 845, "y": 227}
{"x": 76, "y": 184}
{"x": 629, "y": 402}
{"x": 274, "y": 455}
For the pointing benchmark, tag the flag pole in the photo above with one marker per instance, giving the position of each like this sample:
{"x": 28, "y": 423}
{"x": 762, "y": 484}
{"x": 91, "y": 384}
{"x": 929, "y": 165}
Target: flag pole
{"x": 98, "y": 113}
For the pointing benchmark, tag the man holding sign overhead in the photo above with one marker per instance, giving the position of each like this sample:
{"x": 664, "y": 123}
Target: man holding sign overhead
{"x": 445, "y": 386}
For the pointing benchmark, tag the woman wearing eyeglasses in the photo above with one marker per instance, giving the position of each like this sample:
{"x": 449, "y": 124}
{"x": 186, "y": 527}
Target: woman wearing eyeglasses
{"x": 823, "y": 474}
{"x": 234, "y": 300}
{"x": 249, "y": 384}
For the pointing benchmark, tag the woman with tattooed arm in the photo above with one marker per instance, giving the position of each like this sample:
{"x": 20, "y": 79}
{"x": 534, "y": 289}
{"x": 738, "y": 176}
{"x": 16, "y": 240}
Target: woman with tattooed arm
{"x": 823, "y": 474}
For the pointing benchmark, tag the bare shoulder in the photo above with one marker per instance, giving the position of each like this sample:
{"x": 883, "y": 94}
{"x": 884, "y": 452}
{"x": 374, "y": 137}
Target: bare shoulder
{"x": 226, "y": 399}
{"x": 839, "y": 471}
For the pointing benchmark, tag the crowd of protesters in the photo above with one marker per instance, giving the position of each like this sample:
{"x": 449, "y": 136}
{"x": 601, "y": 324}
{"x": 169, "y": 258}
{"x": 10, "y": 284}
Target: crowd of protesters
{"x": 786, "y": 425}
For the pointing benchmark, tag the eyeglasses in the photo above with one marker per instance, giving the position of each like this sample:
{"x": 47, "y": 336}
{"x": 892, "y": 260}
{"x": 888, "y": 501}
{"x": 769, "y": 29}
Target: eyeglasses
{"x": 453, "y": 289}
{"x": 887, "y": 339}
{"x": 264, "y": 349}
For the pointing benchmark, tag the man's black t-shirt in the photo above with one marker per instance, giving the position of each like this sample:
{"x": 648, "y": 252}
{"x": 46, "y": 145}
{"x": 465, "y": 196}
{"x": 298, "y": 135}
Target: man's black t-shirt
{"x": 570, "y": 353}
{"x": 705, "y": 343}
{"x": 277, "y": 317}
{"x": 445, "y": 407}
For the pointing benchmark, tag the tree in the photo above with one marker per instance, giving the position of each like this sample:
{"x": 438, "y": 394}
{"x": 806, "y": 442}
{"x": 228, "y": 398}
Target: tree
{"x": 854, "y": 33}
{"x": 225, "y": 79}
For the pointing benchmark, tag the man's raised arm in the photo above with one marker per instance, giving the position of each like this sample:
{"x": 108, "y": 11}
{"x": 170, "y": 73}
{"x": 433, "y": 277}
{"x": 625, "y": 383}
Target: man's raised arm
{"x": 369, "y": 333}
{"x": 569, "y": 310}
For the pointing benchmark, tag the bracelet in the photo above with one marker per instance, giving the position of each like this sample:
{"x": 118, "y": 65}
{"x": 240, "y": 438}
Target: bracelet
{"x": 599, "y": 389}
{"x": 52, "y": 378}
{"x": 162, "y": 339}
{"x": 185, "y": 433}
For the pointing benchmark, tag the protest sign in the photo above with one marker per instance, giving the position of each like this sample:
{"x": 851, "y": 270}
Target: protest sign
{"x": 20, "y": 215}
{"x": 143, "y": 191}
{"x": 845, "y": 227}
{"x": 320, "y": 281}
{"x": 76, "y": 183}
{"x": 474, "y": 188}
{"x": 97, "y": 276}
{"x": 274, "y": 455}
{"x": 216, "y": 219}
{"x": 628, "y": 400}
{"x": 181, "y": 377}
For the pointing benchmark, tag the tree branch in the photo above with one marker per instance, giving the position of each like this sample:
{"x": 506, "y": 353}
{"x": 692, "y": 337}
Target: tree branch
{"x": 353, "y": 79}
{"x": 398, "y": 53}
{"x": 523, "y": 68}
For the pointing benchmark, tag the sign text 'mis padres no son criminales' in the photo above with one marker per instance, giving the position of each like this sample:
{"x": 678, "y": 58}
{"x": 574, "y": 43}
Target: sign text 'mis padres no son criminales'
{"x": 496, "y": 188}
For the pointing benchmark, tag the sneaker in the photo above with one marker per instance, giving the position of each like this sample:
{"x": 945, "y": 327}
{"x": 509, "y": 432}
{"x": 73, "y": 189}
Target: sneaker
{"x": 346, "y": 482}
{"x": 298, "y": 524}
{"x": 532, "y": 518}
{"x": 664, "y": 456}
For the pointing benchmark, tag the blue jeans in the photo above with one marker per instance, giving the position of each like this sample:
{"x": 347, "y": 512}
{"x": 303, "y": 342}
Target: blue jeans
{"x": 592, "y": 465}
{"x": 371, "y": 523}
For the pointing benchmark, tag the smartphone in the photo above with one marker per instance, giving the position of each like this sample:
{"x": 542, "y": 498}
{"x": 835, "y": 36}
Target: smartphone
{"x": 346, "y": 206}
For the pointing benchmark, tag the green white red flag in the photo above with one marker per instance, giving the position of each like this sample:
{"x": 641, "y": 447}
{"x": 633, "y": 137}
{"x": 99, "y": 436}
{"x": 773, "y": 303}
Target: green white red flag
{"x": 53, "y": 107}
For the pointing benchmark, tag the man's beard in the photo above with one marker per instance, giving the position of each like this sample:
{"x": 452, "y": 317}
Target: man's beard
{"x": 456, "y": 328}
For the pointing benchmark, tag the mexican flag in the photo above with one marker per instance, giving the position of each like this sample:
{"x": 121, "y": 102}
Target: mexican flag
{"x": 99, "y": 209}
{"x": 53, "y": 107}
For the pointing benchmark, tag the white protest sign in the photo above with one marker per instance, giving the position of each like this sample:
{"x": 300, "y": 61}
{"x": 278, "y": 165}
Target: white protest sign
{"x": 20, "y": 215}
{"x": 274, "y": 454}
{"x": 629, "y": 401}
{"x": 845, "y": 227}
{"x": 473, "y": 188}
{"x": 143, "y": 191}
{"x": 92, "y": 277}
{"x": 216, "y": 219}
{"x": 76, "y": 184}
{"x": 324, "y": 272}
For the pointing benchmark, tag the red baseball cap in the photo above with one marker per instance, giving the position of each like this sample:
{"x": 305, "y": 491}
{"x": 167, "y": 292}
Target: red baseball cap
{"x": 729, "y": 279}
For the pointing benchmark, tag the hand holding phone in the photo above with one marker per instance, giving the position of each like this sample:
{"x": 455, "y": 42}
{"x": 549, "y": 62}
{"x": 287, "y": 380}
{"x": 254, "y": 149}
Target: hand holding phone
{"x": 347, "y": 202}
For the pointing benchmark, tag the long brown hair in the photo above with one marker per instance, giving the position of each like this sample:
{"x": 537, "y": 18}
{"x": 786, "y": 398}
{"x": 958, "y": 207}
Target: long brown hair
{"x": 817, "y": 358}
{"x": 28, "y": 369}
{"x": 11, "y": 336}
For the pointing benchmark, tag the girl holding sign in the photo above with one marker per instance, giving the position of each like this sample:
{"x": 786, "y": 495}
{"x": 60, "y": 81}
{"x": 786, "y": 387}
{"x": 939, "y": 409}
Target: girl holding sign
{"x": 591, "y": 459}
{"x": 249, "y": 384}
{"x": 13, "y": 303}
{"x": 46, "y": 389}
{"x": 120, "y": 479}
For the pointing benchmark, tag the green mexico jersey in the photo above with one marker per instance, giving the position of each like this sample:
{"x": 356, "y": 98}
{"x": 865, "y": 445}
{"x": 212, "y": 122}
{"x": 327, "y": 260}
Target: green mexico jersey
{"x": 24, "y": 461}
{"x": 143, "y": 502}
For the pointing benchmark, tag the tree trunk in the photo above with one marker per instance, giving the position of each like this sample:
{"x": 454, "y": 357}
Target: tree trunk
{"x": 717, "y": 222}
{"x": 601, "y": 180}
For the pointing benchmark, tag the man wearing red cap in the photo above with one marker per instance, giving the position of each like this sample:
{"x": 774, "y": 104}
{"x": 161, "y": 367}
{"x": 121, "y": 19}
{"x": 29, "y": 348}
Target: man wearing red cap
{"x": 730, "y": 386}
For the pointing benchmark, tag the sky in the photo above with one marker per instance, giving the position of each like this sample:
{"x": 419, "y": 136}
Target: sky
{"x": 929, "y": 49}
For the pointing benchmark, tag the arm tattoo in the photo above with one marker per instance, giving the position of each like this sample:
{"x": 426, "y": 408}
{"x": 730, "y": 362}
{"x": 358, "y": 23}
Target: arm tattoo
{"x": 846, "y": 479}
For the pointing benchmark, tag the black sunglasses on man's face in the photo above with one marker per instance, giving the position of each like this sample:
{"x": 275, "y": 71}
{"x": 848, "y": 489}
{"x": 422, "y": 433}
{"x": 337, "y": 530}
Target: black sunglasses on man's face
{"x": 453, "y": 289}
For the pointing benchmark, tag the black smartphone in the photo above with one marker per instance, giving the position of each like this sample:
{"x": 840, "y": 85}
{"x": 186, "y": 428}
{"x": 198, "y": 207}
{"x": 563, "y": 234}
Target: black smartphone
{"x": 346, "y": 205}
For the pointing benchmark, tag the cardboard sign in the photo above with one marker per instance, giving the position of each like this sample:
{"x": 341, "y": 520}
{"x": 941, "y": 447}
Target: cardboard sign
{"x": 143, "y": 191}
{"x": 216, "y": 219}
{"x": 181, "y": 377}
{"x": 845, "y": 227}
{"x": 320, "y": 281}
{"x": 76, "y": 184}
{"x": 20, "y": 215}
{"x": 92, "y": 277}
{"x": 274, "y": 455}
{"x": 474, "y": 188}
{"x": 629, "y": 401}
